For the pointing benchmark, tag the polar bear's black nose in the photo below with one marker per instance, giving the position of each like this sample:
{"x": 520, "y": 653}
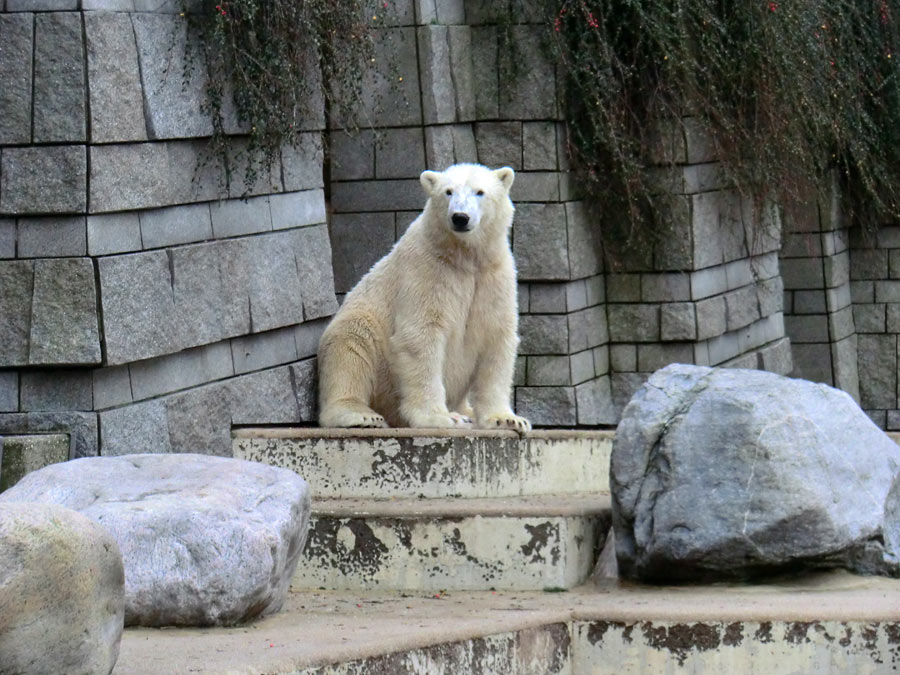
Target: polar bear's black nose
{"x": 460, "y": 222}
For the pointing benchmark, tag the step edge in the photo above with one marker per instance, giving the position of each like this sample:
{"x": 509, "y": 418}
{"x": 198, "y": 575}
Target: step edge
{"x": 549, "y": 506}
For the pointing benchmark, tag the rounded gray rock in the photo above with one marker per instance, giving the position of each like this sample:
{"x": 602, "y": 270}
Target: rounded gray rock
{"x": 725, "y": 473}
{"x": 62, "y": 593}
{"x": 205, "y": 540}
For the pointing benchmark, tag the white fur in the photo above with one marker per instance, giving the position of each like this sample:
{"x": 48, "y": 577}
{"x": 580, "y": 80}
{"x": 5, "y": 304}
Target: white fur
{"x": 433, "y": 326}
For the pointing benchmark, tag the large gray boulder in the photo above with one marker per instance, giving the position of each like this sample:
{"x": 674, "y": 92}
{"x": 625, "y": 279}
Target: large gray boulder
{"x": 62, "y": 592}
{"x": 720, "y": 473}
{"x": 205, "y": 540}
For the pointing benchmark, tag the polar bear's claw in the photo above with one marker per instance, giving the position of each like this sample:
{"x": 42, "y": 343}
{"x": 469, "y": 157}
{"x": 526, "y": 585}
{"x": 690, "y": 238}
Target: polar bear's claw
{"x": 461, "y": 420}
{"x": 507, "y": 421}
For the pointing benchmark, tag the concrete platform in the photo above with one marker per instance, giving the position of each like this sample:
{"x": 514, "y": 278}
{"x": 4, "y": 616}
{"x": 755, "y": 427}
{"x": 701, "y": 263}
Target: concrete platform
{"x": 830, "y": 623}
{"x": 513, "y": 543}
{"x": 384, "y": 463}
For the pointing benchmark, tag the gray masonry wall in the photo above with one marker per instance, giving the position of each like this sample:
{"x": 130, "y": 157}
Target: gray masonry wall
{"x": 144, "y": 305}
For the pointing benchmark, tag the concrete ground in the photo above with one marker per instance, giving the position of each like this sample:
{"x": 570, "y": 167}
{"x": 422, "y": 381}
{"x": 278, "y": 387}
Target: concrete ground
{"x": 317, "y": 628}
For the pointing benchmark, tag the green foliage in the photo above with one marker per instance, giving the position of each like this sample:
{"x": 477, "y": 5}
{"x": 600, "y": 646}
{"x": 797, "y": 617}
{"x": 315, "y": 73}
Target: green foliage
{"x": 788, "y": 91}
{"x": 280, "y": 62}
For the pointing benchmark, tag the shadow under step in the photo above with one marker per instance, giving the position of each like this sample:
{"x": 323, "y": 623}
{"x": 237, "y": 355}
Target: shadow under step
{"x": 516, "y": 543}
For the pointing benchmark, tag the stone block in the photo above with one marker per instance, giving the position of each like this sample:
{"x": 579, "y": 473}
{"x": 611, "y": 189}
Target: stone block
{"x": 704, "y": 177}
{"x": 56, "y": 390}
{"x": 142, "y": 427}
{"x": 174, "y": 97}
{"x": 596, "y": 290}
{"x": 499, "y": 144}
{"x": 770, "y": 295}
{"x": 439, "y": 150}
{"x": 139, "y": 316}
{"x": 887, "y": 291}
{"x": 43, "y": 179}
{"x": 888, "y": 237}
{"x": 539, "y": 146}
{"x": 540, "y": 242}
{"x": 581, "y": 366}
{"x": 312, "y": 254}
{"x": 835, "y": 242}
{"x": 723, "y": 348}
{"x": 788, "y": 302}
{"x": 698, "y": 140}
{"x": 803, "y": 273}
{"x": 677, "y": 322}
{"x": 549, "y": 371}
{"x": 802, "y": 245}
{"x": 844, "y": 359}
{"x": 303, "y": 379}
{"x": 16, "y": 63}
{"x": 893, "y": 318}
{"x": 877, "y": 416}
{"x": 114, "y": 172}
{"x": 712, "y": 317}
{"x": 624, "y": 385}
{"x": 837, "y": 269}
{"x": 807, "y": 328}
{"x": 666, "y": 145}
{"x": 862, "y": 291}
{"x": 870, "y": 318}
{"x": 114, "y": 79}
{"x": 587, "y": 328}
{"x": 199, "y": 421}
{"x": 547, "y": 406}
{"x": 80, "y": 426}
{"x": 535, "y": 186}
{"x": 543, "y": 334}
{"x": 436, "y": 75}
{"x": 595, "y": 402}
{"x": 527, "y": 88}
{"x": 601, "y": 360}
{"x": 813, "y": 362}
{"x": 522, "y": 299}
{"x": 655, "y": 356}
{"x": 9, "y": 391}
{"x": 399, "y": 153}
{"x": 307, "y": 335}
{"x": 547, "y": 298}
{"x": 264, "y": 350}
{"x": 674, "y": 287}
{"x": 377, "y": 195}
{"x": 7, "y": 238}
{"x": 745, "y": 362}
{"x": 113, "y": 233}
{"x": 706, "y": 221}
{"x": 868, "y": 264}
{"x": 777, "y": 358}
{"x": 585, "y": 250}
{"x": 64, "y": 313}
{"x": 175, "y": 225}
{"x": 182, "y": 370}
{"x": 353, "y": 154}
{"x": 251, "y": 172}
{"x": 301, "y": 165}
{"x": 894, "y": 264}
{"x": 297, "y": 209}
{"x": 738, "y": 273}
{"x": 236, "y": 217}
{"x": 809, "y": 302}
{"x": 633, "y": 323}
{"x": 840, "y": 324}
{"x": 701, "y": 354}
{"x": 59, "y": 81}
{"x": 51, "y": 237}
{"x": 623, "y": 358}
{"x": 893, "y": 420}
{"x": 359, "y": 241}
{"x": 485, "y": 81}
{"x": 17, "y": 282}
{"x": 576, "y": 295}
{"x": 674, "y": 249}
{"x": 112, "y": 387}
{"x": 708, "y": 282}
{"x": 266, "y": 397}
{"x": 402, "y": 221}
{"x": 838, "y": 297}
{"x": 108, "y": 5}
{"x": 624, "y": 287}
{"x": 211, "y": 285}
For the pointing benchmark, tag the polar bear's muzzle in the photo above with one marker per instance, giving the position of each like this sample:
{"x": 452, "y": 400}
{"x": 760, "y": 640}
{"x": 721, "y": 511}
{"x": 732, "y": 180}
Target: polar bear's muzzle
{"x": 460, "y": 222}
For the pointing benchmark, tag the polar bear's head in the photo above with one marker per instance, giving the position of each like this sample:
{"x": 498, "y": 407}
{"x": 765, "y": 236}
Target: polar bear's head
{"x": 470, "y": 199}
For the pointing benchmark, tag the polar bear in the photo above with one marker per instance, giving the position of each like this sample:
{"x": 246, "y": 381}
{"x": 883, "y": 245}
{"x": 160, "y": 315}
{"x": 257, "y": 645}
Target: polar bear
{"x": 432, "y": 327}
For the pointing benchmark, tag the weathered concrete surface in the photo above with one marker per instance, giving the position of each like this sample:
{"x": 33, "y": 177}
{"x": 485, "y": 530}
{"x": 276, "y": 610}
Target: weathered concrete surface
{"x": 62, "y": 592}
{"x": 472, "y": 544}
{"x": 386, "y": 463}
{"x": 205, "y": 540}
{"x": 722, "y": 473}
{"x": 320, "y": 628}
{"x": 20, "y": 455}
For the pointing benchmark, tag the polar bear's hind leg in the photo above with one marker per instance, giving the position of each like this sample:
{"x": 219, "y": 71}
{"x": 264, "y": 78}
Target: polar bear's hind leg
{"x": 346, "y": 383}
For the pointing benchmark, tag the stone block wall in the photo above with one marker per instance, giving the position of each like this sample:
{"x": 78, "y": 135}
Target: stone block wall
{"x": 144, "y": 304}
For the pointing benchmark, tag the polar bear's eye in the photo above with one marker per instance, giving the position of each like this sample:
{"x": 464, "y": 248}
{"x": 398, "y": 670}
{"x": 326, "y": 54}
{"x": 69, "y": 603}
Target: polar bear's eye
{"x": 449, "y": 191}
{"x": 480, "y": 193}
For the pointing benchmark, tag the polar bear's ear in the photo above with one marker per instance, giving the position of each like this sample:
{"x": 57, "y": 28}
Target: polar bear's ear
{"x": 505, "y": 176}
{"x": 430, "y": 181}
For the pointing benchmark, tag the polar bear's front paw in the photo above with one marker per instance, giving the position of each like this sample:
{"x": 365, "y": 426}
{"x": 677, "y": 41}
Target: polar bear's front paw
{"x": 353, "y": 418}
{"x": 462, "y": 420}
{"x": 439, "y": 420}
{"x": 506, "y": 421}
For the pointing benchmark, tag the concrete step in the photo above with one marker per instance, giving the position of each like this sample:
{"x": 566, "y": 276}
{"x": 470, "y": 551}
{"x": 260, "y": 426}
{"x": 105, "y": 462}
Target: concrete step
{"x": 383, "y": 463}
{"x": 829, "y": 623}
{"x": 514, "y": 543}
